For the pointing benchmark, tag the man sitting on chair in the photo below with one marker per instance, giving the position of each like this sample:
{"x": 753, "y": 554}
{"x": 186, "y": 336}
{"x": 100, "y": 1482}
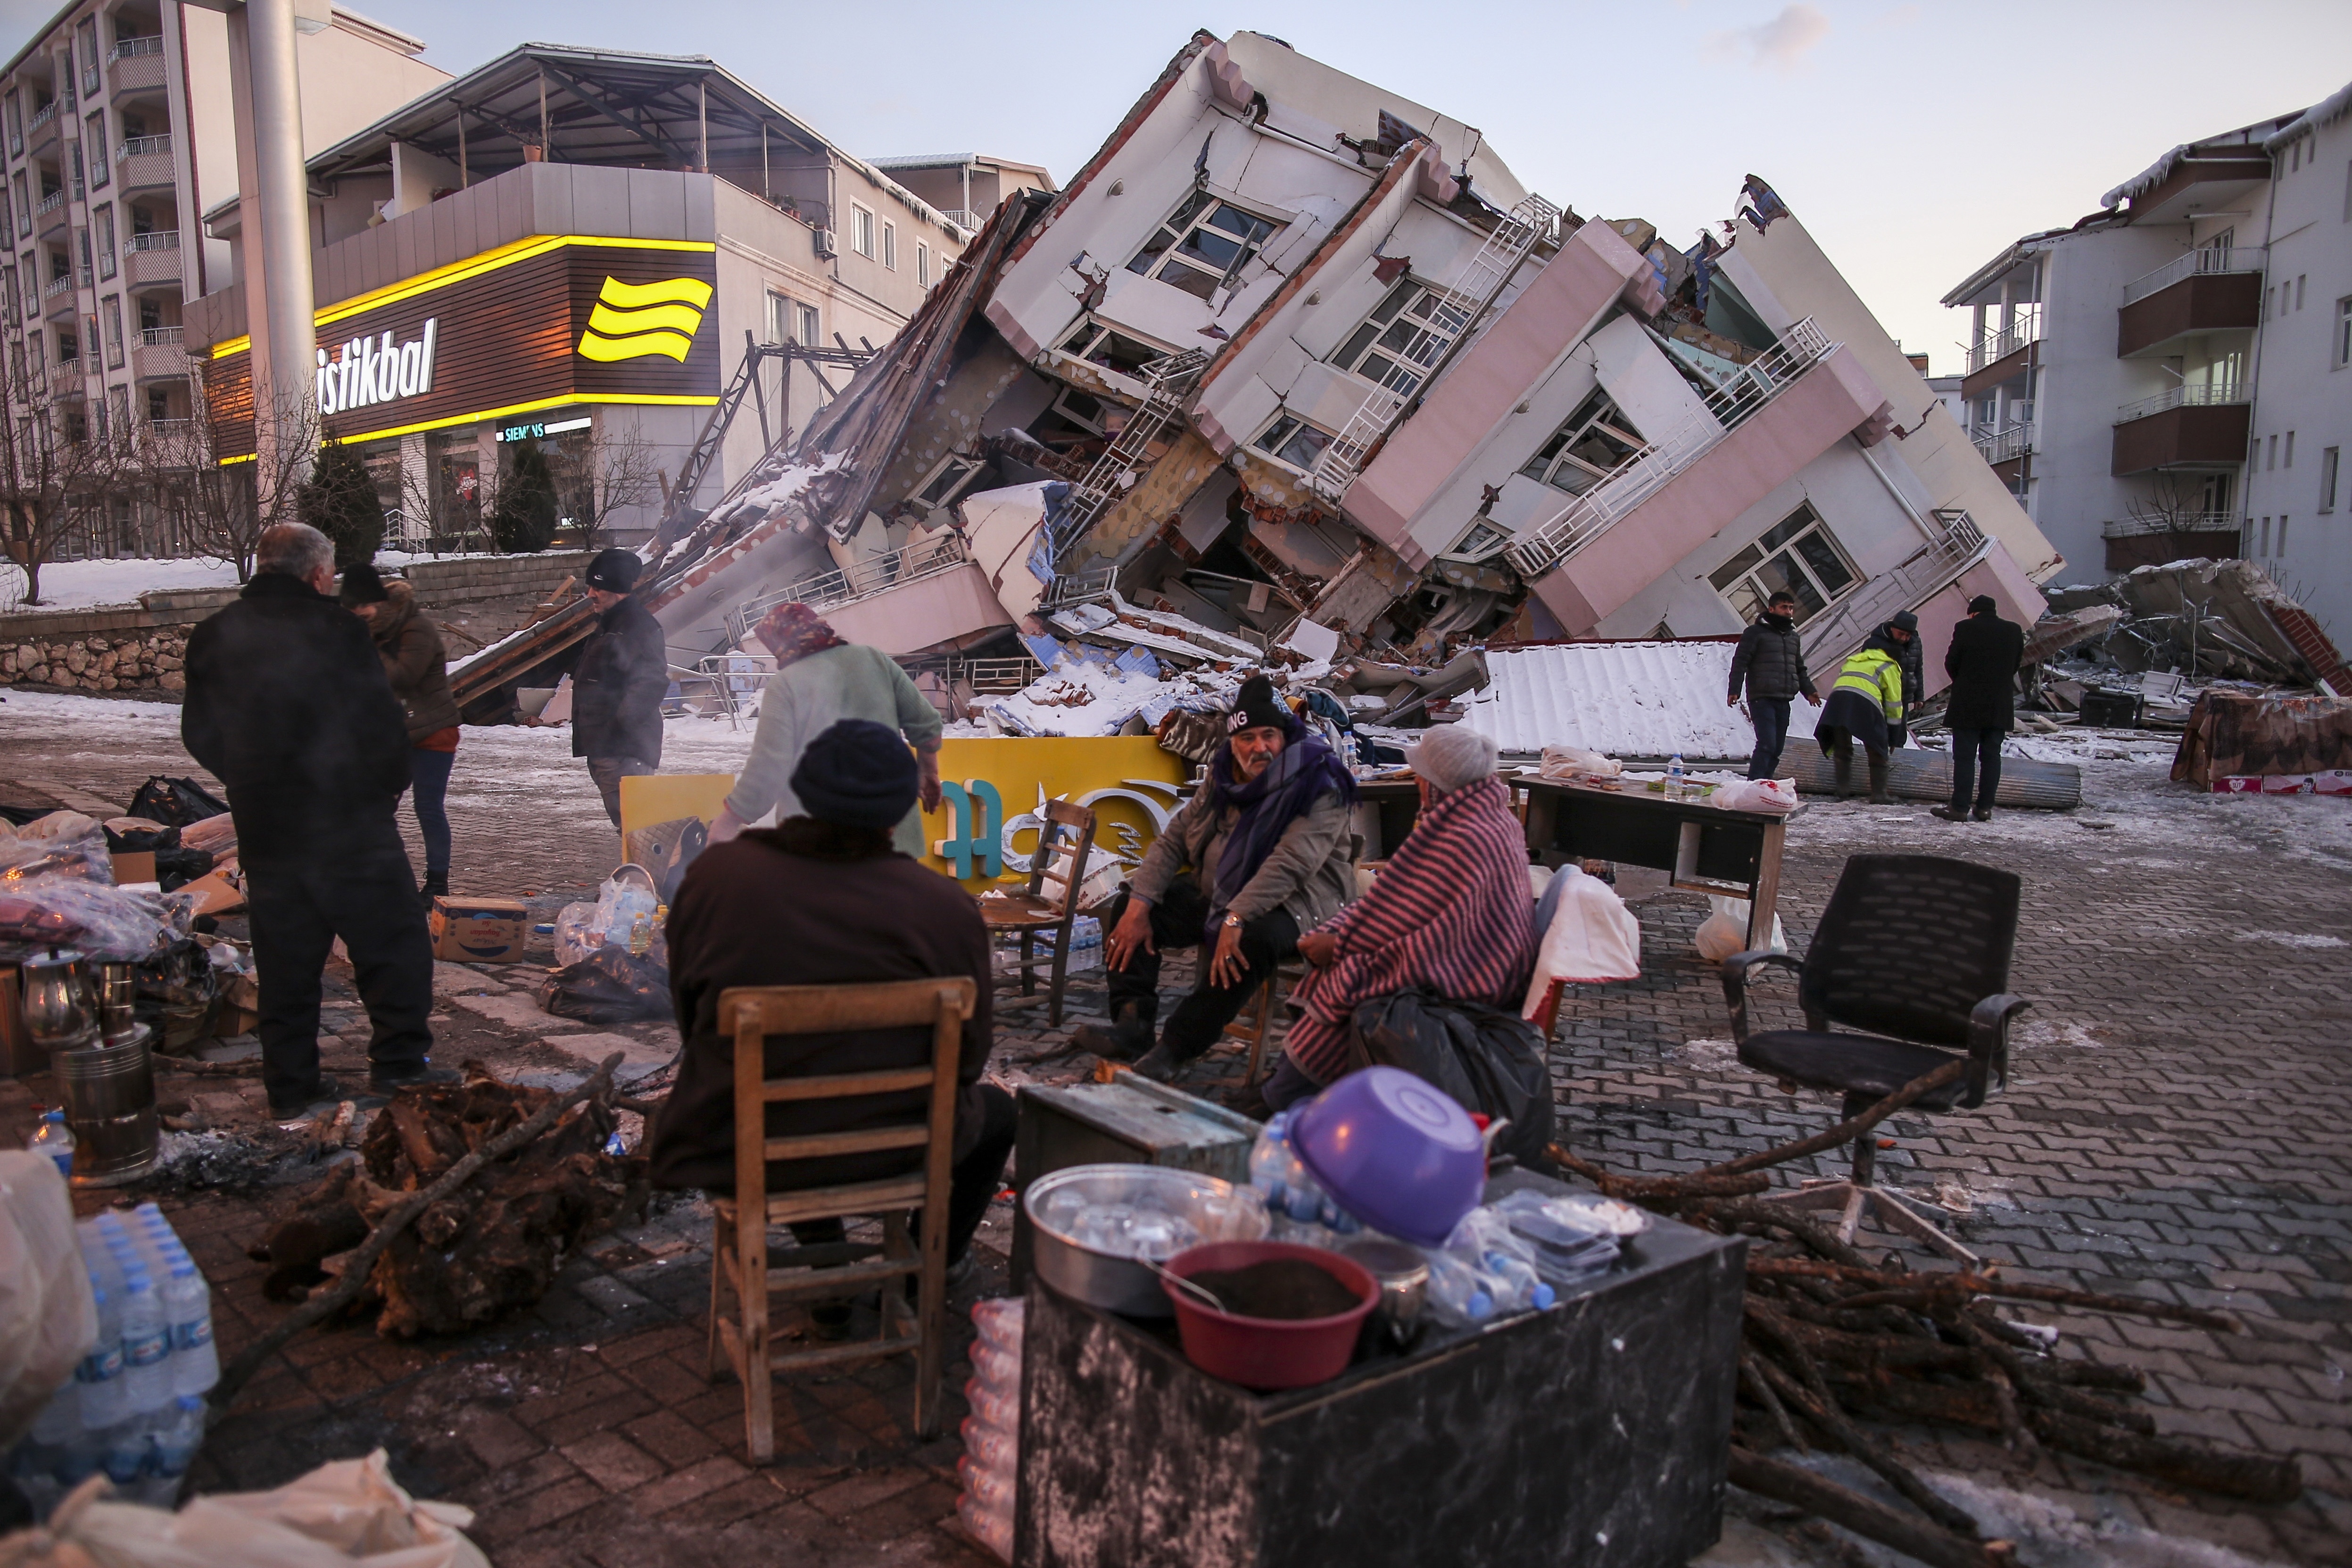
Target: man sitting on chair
{"x": 824, "y": 900}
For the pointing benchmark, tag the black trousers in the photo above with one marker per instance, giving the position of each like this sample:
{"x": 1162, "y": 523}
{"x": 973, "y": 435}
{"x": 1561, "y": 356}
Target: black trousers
{"x": 1203, "y": 1015}
{"x": 1770, "y": 717}
{"x": 973, "y": 1181}
{"x": 358, "y": 887}
{"x": 1976, "y": 760}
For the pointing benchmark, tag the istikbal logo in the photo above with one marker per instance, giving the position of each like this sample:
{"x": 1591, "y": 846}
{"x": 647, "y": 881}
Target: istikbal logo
{"x": 632, "y": 320}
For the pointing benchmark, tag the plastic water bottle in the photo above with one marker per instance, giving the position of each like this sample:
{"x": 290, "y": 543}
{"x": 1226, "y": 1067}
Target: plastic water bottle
{"x": 146, "y": 1346}
{"x": 105, "y": 1399}
{"x": 1456, "y": 1292}
{"x": 1521, "y": 1287}
{"x": 176, "y": 1440}
{"x": 1674, "y": 776}
{"x": 1270, "y": 1159}
{"x": 56, "y": 1140}
{"x": 124, "y": 1456}
{"x": 188, "y": 1309}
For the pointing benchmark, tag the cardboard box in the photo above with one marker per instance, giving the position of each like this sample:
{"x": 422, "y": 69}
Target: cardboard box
{"x": 219, "y": 893}
{"x": 133, "y": 866}
{"x": 479, "y": 930}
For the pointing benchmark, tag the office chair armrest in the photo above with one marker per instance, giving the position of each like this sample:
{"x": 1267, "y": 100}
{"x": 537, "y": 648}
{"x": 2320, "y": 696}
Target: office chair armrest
{"x": 1988, "y": 1045}
{"x": 1734, "y": 983}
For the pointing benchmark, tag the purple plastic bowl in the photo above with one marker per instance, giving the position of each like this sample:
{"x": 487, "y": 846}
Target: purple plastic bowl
{"x": 1396, "y": 1152}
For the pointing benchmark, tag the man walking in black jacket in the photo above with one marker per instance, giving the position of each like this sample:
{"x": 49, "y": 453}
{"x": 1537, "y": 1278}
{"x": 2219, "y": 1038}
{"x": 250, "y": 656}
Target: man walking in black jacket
{"x": 288, "y": 705}
{"x": 1770, "y": 662}
{"x": 619, "y": 683}
{"x": 1982, "y": 662}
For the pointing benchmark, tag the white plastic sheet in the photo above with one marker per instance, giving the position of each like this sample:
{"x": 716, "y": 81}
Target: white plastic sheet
{"x": 1593, "y": 937}
{"x": 48, "y": 1322}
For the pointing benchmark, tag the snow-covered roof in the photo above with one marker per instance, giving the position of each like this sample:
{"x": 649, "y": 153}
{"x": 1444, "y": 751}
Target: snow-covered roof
{"x": 2031, "y": 245}
{"x": 1624, "y": 698}
{"x": 2327, "y": 112}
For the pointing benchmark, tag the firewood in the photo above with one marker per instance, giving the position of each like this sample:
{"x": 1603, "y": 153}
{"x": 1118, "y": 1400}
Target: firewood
{"x": 1865, "y": 1516}
{"x": 1845, "y": 1131}
{"x": 2233, "y": 1472}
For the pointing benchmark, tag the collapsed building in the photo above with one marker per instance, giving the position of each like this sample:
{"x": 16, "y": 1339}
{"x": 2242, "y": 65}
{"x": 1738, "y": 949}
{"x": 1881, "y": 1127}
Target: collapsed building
{"x": 1295, "y": 371}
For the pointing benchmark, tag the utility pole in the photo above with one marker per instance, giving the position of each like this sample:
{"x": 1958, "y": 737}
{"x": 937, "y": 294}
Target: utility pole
{"x": 282, "y": 197}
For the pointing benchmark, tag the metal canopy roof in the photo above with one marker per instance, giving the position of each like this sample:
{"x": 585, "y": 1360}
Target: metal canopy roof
{"x": 604, "y": 107}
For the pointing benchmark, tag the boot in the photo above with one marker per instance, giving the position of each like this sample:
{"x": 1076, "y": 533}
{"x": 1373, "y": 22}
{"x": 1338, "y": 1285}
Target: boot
{"x": 1948, "y": 812}
{"x": 1128, "y": 1036}
{"x": 1160, "y": 1064}
{"x": 1842, "y": 765}
{"x": 1984, "y": 814}
{"x": 1878, "y": 795}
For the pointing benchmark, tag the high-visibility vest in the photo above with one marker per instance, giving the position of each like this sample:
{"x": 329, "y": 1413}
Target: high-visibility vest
{"x": 1877, "y": 677}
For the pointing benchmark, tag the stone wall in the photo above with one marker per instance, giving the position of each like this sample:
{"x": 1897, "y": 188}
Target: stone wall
{"x": 134, "y": 658}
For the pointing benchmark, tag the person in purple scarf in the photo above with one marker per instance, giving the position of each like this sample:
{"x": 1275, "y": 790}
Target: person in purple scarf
{"x": 1261, "y": 852}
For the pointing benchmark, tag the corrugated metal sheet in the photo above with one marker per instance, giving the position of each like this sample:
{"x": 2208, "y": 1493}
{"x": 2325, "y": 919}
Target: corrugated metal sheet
{"x": 1626, "y": 699}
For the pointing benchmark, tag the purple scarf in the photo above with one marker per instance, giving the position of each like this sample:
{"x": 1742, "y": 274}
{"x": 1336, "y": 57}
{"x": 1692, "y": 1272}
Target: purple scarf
{"x": 1303, "y": 772}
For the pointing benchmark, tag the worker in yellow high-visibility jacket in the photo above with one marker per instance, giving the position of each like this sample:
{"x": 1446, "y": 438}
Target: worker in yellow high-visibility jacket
{"x": 1866, "y": 704}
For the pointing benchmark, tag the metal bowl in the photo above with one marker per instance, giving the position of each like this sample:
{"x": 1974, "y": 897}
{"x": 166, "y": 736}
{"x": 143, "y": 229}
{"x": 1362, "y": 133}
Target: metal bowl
{"x": 1119, "y": 1282}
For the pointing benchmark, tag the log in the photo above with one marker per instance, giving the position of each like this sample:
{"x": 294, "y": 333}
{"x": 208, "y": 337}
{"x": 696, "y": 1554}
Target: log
{"x": 2233, "y": 1472}
{"x": 1735, "y": 1212}
{"x": 1845, "y": 1131}
{"x": 235, "y": 1375}
{"x": 1821, "y": 1410}
{"x": 1867, "y": 1517}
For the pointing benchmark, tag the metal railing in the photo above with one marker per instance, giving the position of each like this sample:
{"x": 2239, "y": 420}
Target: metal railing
{"x": 139, "y": 146}
{"x": 2179, "y": 522}
{"x": 2213, "y": 258}
{"x": 1121, "y": 463}
{"x": 55, "y": 287}
{"x": 2183, "y": 396}
{"x": 44, "y": 115}
{"x": 876, "y": 575}
{"x": 1584, "y": 518}
{"x": 49, "y": 203}
{"x": 159, "y": 239}
{"x": 1998, "y": 342}
{"x": 1829, "y": 637}
{"x": 159, "y": 337}
{"x": 2008, "y": 442}
{"x": 131, "y": 48}
{"x": 963, "y": 220}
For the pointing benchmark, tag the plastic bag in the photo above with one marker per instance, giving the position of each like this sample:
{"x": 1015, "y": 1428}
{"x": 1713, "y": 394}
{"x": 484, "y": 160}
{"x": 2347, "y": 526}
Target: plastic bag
{"x": 577, "y": 934}
{"x": 1725, "y": 932}
{"x": 582, "y": 928}
{"x": 177, "y": 802}
{"x": 48, "y": 1320}
{"x": 1488, "y": 1059}
{"x": 62, "y": 844}
{"x": 608, "y": 986}
{"x": 1575, "y": 761}
{"x": 1756, "y": 794}
{"x": 130, "y": 834}
{"x": 106, "y": 923}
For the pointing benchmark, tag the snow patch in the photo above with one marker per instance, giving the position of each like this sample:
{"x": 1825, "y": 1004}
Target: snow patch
{"x": 2291, "y": 939}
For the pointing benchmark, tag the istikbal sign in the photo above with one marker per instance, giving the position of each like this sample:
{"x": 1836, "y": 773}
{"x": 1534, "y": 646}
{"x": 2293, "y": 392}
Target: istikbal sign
{"x": 365, "y": 371}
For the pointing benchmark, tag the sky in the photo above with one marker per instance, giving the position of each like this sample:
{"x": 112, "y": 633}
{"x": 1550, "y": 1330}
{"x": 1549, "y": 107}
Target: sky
{"x": 1914, "y": 139}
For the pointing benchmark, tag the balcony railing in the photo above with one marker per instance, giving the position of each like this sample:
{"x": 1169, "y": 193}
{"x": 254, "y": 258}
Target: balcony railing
{"x": 2183, "y": 396}
{"x": 1831, "y": 637}
{"x": 959, "y": 216}
{"x": 1998, "y": 342}
{"x": 49, "y": 203}
{"x": 55, "y": 287}
{"x": 159, "y": 337}
{"x": 2179, "y": 522}
{"x": 161, "y": 239}
{"x": 1643, "y": 474}
{"x": 831, "y": 590}
{"x": 131, "y": 48}
{"x": 44, "y": 115}
{"x": 2009, "y": 442}
{"x": 2213, "y": 258}
{"x": 137, "y": 146}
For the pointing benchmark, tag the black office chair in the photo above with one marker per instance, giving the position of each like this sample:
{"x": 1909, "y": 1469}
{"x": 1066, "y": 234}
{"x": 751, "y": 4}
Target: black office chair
{"x": 1914, "y": 949}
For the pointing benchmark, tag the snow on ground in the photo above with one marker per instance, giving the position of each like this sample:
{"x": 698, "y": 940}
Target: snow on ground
{"x": 86, "y": 585}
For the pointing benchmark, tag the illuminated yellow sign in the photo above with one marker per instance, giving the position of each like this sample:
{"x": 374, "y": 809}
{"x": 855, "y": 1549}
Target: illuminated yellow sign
{"x": 632, "y": 320}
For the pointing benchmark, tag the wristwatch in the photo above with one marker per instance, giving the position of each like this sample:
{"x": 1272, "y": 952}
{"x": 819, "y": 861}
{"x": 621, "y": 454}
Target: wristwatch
{"x": 1232, "y": 922}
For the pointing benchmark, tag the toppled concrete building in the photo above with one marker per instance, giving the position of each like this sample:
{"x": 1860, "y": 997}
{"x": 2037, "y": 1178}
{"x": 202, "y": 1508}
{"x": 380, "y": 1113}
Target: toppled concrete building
{"x": 1293, "y": 360}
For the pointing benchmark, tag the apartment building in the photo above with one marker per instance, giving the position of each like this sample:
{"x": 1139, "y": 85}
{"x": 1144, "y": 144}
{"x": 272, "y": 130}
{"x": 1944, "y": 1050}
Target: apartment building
{"x": 574, "y": 248}
{"x": 966, "y": 187}
{"x": 2166, "y": 376}
{"x": 119, "y": 127}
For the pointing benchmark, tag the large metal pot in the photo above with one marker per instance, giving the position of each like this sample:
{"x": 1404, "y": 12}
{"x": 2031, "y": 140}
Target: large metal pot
{"x": 109, "y": 1102}
{"x": 1215, "y": 1210}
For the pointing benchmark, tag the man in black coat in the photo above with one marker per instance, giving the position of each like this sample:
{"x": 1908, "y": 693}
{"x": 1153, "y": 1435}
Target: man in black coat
{"x": 1770, "y": 662}
{"x": 619, "y": 681}
{"x": 288, "y": 705}
{"x": 1982, "y": 662}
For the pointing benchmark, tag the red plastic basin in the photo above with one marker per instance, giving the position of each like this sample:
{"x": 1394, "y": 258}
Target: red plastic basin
{"x": 1267, "y": 1352}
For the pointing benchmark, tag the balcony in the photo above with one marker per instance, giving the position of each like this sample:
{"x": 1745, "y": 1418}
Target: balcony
{"x": 2185, "y": 427}
{"x": 144, "y": 161}
{"x": 2002, "y": 355}
{"x": 41, "y": 131}
{"x": 2137, "y": 542}
{"x": 136, "y": 65}
{"x": 1957, "y": 545}
{"x": 152, "y": 258}
{"x": 923, "y": 597}
{"x": 2217, "y": 290}
{"x": 66, "y": 379}
{"x": 2006, "y": 445}
{"x": 50, "y": 213}
{"x": 157, "y": 355}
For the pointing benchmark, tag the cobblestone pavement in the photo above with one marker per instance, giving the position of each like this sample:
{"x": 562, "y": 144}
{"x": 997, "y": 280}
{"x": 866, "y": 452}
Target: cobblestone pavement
{"x": 2174, "y": 1128}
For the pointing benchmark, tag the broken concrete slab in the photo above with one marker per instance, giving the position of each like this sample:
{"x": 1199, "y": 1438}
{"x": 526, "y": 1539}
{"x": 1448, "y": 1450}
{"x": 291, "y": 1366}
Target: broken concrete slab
{"x": 640, "y": 1058}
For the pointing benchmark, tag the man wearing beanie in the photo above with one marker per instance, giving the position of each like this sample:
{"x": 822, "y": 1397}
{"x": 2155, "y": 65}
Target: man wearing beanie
{"x": 1260, "y": 853}
{"x": 1982, "y": 662}
{"x": 824, "y": 900}
{"x": 618, "y": 681}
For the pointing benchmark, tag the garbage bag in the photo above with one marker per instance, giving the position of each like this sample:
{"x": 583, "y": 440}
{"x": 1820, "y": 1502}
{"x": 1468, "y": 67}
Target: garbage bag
{"x": 1724, "y": 931}
{"x": 61, "y": 844}
{"x": 610, "y": 986}
{"x": 1488, "y": 1058}
{"x": 105, "y": 922}
{"x": 130, "y": 834}
{"x": 177, "y": 802}
{"x": 1756, "y": 794}
{"x": 581, "y": 928}
{"x": 1587, "y": 936}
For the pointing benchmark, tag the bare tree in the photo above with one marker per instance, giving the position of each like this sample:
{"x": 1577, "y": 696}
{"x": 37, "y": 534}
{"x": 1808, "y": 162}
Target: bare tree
{"x": 619, "y": 473}
{"x": 59, "y": 468}
{"x": 2174, "y": 509}
{"x": 224, "y": 497}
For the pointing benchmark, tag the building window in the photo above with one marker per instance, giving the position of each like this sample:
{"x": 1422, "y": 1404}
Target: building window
{"x": 2290, "y": 449}
{"x": 1206, "y": 244}
{"x": 25, "y": 213}
{"x": 922, "y": 265}
{"x": 2262, "y": 543}
{"x": 119, "y": 398}
{"x": 1098, "y": 344}
{"x": 159, "y": 406}
{"x": 1293, "y": 441}
{"x": 98, "y": 148}
{"x": 861, "y": 231}
{"x": 73, "y": 163}
{"x": 2272, "y": 461}
{"x": 2330, "y": 458}
{"x": 2281, "y": 535}
{"x": 68, "y": 347}
{"x": 1797, "y": 556}
{"x": 2299, "y": 281}
{"x": 780, "y": 319}
{"x": 809, "y": 335}
{"x": 88, "y": 33}
{"x": 114, "y": 331}
{"x": 104, "y": 217}
{"x": 2343, "y": 321}
{"x": 1596, "y": 438}
{"x": 1402, "y": 337}
{"x": 8, "y": 293}
{"x": 16, "y": 133}
{"x": 891, "y": 246}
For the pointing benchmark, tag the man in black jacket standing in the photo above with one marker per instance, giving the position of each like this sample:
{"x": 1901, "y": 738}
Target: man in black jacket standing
{"x": 288, "y": 705}
{"x": 1770, "y": 662}
{"x": 619, "y": 683}
{"x": 1982, "y": 662}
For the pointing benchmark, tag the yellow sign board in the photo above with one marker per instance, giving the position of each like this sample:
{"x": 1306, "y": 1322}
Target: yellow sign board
{"x": 1128, "y": 780}
{"x": 652, "y": 798}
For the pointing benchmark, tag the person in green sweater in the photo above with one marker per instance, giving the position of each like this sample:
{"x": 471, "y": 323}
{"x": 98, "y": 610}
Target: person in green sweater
{"x": 820, "y": 680}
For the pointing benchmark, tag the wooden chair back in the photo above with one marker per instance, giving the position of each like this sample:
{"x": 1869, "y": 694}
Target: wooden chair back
{"x": 1066, "y": 843}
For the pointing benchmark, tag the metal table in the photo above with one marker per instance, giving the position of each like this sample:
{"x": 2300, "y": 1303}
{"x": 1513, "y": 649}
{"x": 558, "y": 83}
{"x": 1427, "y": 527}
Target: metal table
{"x": 1703, "y": 848}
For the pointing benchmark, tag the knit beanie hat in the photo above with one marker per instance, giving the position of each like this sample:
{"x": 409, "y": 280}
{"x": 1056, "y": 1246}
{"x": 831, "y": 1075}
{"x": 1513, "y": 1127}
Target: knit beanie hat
{"x": 1982, "y": 604}
{"x": 614, "y": 571}
{"x": 1905, "y": 621}
{"x": 1255, "y": 705}
{"x": 858, "y": 774}
{"x": 362, "y": 585}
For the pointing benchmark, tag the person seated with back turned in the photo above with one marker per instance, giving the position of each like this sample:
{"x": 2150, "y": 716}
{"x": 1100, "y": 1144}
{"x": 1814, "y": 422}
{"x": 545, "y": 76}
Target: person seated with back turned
{"x": 1267, "y": 836}
{"x": 824, "y": 900}
{"x": 1451, "y": 911}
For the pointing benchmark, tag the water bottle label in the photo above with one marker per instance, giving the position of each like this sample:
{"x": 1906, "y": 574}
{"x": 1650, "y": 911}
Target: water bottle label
{"x": 189, "y": 1336}
{"x": 65, "y": 1163}
{"x": 148, "y": 1350}
{"x": 101, "y": 1364}
{"x": 123, "y": 1464}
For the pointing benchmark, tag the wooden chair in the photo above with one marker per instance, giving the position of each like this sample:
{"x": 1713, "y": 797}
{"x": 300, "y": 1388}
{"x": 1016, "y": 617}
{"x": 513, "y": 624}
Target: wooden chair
{"x": 1261, "y": 1011}
{"x": 1051, "y": 903}
{"x": 739, "y": 1258}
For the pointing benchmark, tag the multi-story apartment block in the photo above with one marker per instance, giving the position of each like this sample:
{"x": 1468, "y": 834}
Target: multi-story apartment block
{"x": 119, "y": 127}
{"x": 2172, "y": 375}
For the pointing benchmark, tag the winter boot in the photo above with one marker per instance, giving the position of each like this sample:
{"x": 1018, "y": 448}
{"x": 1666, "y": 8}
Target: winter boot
{"x": 1842, "y": 765}
{"x": 1878, "y": 766}
{"x": 1127, "y": 1037}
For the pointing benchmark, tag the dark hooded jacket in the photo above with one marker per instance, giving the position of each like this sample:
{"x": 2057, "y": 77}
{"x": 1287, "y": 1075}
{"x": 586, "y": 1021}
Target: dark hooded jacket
{"x": 618, "y": 684}
{"x": 1982, "y": 662}
{"x": 415, "y": 659}
{"x": 288, "y": 705}
{"x": 1770, "y": 661}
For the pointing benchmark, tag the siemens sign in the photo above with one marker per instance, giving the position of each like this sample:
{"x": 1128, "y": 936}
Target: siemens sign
{"x": 365, "y": 371}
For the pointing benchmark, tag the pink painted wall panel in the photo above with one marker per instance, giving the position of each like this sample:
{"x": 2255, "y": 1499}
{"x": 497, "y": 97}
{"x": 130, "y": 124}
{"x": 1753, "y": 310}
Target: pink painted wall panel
{"x": 952, "y": 607}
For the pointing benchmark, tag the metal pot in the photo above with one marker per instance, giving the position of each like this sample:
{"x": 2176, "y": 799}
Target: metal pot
{"x": 1104, "y": 1280}
{"x": 55, "y": 1007}
{"x": 1402, "y": 1273}
{"x": 109, "y": 1102}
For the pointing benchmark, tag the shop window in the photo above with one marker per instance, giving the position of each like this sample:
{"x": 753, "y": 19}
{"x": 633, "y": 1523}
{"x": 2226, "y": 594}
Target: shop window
{"x": 1593, "y": 441}
{"x": 1797, "y": 556}
{"x": 1292, "y": 440}
{"x": 453, "y": 471}
{"x": 1402, "y": 337}
{"x": 1114, "y": 351}
{"x": 1203, "y": 246}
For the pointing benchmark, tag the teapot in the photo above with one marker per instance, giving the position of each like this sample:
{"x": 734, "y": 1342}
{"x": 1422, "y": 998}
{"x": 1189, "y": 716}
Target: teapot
{"x": 54, "y": 1007}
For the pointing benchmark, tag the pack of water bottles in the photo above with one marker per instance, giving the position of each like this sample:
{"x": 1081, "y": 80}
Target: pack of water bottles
{"x": 1302, "y": 1211}
{"x": 992, "y": 1433}
{"x": 134, "y": 1407}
